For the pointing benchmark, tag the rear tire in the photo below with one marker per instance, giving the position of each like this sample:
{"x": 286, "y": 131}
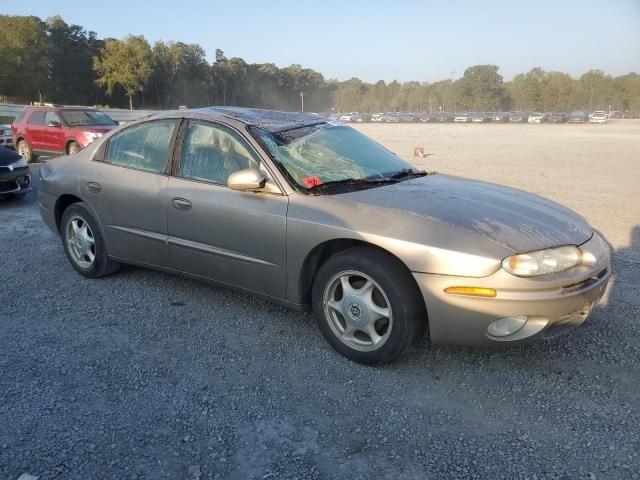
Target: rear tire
{"x": 84, "y": 243}
{"x": 73, "y": 148}
{"x": 367, "y": 305}
{"x": 24, "y": 149}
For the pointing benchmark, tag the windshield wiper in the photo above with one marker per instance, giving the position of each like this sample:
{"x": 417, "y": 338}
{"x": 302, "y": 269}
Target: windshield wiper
{"x": 407, "y": 172}
{"x": 352, "y": 182}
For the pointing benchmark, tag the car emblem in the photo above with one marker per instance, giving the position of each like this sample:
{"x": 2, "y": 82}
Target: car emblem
{"x": 354, "y": 308}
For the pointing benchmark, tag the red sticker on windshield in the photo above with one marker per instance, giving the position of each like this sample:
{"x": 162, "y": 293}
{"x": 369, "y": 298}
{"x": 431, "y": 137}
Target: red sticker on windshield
{"x": 312, "y": 181}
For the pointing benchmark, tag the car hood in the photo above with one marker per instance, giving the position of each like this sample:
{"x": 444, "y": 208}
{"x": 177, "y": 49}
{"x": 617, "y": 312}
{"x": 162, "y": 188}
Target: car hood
{"x": 519, "y": 221}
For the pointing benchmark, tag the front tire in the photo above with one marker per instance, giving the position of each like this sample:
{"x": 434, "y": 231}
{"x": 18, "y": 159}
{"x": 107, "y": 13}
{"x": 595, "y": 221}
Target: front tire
{"x": 368, "y": 306}
{"x": 84, "y": 244}
{"x": 23, "y": 148}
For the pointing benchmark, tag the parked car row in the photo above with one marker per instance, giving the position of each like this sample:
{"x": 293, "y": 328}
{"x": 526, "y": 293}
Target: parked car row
{"x": 480, "y": 117}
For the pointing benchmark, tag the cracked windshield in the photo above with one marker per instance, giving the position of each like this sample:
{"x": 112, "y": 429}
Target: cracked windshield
{"x": 323, "y": 153}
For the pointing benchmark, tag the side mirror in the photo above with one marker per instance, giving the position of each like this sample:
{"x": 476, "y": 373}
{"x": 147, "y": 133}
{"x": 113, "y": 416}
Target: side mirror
{"x": 54, "y": 124}
{"x": 247, "y": 179}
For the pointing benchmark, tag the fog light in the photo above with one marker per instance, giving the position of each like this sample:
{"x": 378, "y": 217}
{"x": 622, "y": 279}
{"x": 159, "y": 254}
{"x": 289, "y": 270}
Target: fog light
{"x": 506, "y": 326}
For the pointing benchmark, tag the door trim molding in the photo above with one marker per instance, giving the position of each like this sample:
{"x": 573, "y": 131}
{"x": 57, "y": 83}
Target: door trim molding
{"x": 208, "y": 249}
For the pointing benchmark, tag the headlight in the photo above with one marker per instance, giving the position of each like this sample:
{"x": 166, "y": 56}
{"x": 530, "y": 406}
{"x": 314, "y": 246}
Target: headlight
{"x": 543, "y": 262}
{"x": 18, "y": 163}
{"x": 91, "y": 136}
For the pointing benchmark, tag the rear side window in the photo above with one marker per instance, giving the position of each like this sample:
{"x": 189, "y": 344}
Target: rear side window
{"x": 143, "y": 147}
{"x": 37, "y": 118}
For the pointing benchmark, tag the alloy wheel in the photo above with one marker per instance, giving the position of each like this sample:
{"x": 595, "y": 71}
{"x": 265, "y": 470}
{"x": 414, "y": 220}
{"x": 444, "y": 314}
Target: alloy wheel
{"x": 23, "y": 150}
{"x": 357, "y": 310}
{"x": 81, "y": 242}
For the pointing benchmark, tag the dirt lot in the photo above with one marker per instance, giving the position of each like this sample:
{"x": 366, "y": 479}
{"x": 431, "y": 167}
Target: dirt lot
{"x": 144, "y": 375}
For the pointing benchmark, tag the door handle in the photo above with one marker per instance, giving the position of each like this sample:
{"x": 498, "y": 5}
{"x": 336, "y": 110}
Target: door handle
{"x": 181, "y": 204}
{"x": 93, "y": 187}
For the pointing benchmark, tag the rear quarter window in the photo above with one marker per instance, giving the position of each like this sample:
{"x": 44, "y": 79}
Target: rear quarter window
{"x": 20, "y": 116}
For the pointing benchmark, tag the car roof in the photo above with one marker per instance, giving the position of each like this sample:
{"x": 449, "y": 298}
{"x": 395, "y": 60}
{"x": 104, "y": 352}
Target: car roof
{"x": 54, "y": 108}
{"x": 270, "y": 120}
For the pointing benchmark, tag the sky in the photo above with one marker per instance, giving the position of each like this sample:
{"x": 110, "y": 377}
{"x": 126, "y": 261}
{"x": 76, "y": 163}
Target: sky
{"x": 374, "y": 40}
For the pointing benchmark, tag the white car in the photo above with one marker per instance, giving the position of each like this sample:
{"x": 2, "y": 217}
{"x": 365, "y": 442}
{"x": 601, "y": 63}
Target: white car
{"x": 377, "y": 117}
{"x": 599, "y": 117}
{"x": 462, "y": 118}
{"x": 6, "y": 136}
{"x": 347, "y": 117}
{"x": 537, "y": 118}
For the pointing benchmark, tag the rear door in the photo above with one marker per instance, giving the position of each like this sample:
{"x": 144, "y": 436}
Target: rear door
{"x": 234, "y": 237}
{"x": 36, "y": 129}
{"x": 127, "y": 189}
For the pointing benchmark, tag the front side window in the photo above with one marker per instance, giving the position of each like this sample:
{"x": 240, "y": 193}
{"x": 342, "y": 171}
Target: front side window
{"x": 322, "y": 153}
{"x": 37, "y": 118}
{"x": 211, "y": 153}
{"x": 52, "y": 117}
{"x": 143, "y": 147}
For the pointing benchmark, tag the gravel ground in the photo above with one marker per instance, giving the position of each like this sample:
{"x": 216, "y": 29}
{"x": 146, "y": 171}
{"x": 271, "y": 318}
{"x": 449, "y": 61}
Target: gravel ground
{"x": 145, "y": 375}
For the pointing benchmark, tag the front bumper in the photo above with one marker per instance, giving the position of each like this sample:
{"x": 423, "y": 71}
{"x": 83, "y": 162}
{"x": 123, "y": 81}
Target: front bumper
{"x": 14, "y": 181}
{"x": 552, "y": 305}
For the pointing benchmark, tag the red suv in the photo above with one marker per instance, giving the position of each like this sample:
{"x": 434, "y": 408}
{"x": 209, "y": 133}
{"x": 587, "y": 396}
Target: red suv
{"x": 57, "y": 130}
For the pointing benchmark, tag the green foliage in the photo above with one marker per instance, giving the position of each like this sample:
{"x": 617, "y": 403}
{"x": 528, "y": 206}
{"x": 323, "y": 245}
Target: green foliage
{"x": 25, "y": 61}
{"x": 61, "y": 63}
{"x": 125, "y": 63}
{"x": 481, "y": 88}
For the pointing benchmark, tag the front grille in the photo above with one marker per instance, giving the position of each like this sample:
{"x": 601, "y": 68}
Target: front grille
{"x": 10, "y": 186}
{"x": 575, "y": 287}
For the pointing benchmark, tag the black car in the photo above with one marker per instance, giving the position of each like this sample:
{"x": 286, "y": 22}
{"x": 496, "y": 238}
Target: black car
{"x": 407, "y": 117}
{"x": 558, "y": 117}
{"x": 15, "y": 176}
{"x": 444, "y": 117}
{"x": 578, "y": 117}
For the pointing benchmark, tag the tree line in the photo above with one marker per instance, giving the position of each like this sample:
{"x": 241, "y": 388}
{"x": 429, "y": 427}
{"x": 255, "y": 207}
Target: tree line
{"x": 53, "y": 61}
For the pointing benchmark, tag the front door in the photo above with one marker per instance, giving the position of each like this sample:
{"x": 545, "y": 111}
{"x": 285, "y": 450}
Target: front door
{"x": 53, "y": 135}
{"x": 127, "y": 190}
{"x": 238, "y": 238}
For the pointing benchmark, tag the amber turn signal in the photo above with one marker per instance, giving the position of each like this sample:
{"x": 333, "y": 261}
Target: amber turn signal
{"x": 473, "y": 291}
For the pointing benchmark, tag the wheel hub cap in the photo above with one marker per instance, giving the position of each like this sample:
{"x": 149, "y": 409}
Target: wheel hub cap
{"x": 356, "y": 312}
